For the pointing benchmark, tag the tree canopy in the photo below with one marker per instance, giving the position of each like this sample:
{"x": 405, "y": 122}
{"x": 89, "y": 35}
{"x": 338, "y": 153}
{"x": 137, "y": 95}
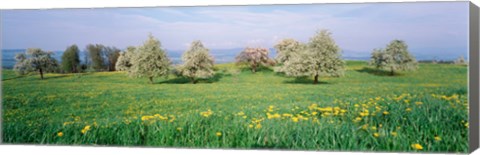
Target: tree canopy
{"x": 124, "y": 59}
{"x": 35, "y": 60}
{"x": 95, "y": 53}
{"x": 111, "y": 54}
{"x": 320, "y": 57}
{"x": 394, "y": 57}
{"x": 254, "y": 58}
{"x": 150, "y": 60}
{"x": 197, "y": 62}
{"x": 71, "y": 59}
{"x": 285, "y": 50}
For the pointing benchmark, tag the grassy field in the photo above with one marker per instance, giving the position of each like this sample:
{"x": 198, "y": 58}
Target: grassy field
{"x": 365, "y": 110}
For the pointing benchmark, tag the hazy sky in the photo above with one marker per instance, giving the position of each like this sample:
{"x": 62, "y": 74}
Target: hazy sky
{"x": 428, "y": 28}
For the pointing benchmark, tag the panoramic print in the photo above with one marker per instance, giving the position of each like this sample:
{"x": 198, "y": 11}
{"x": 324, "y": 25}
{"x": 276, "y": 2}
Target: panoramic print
{"x": 330, "y": 77}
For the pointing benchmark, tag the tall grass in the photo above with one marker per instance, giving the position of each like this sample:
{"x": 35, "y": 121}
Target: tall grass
{"x": 363, "y": 111}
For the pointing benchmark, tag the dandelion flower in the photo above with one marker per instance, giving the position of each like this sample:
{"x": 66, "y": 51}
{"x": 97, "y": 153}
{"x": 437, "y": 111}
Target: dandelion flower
{"x": 218, "y": 134}
{"x": 258, "y": 126}
{"x": 417, "y": 146}
{"x": 437, "y": 138}
{"x": 376, "y": 135}
{"x": 386, "y": 113}
{"x": 250, "y": 126}
{"x": 60, "y": 134}
{"x": 179, "y": 129}
{"x": 364, "y": 127}
{"x": 394, "y": 134}
{"x": 358, "y": 119}
{"x": 85, "y": 129}
{"x": 295, "y": 119}
{"x": 276, "y": 115}
{"x": 418, "y": 103}
{"x": 408, "y": 109}
{"x": 287, "y": 115}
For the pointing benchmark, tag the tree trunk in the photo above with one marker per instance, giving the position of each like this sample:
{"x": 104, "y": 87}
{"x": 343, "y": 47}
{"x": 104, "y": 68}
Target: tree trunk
{"x": 392, "y": 72}
{"x": 41, "y": 73}
{"x": 151, "y": 79}
{"x": 315, "y": 81}
{"x": 254, "y": 68}
{"x": 193, "y": 80}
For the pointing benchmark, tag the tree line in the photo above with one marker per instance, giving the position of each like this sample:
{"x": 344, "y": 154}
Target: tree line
{"x": 97, "y": 58}
{"x": 320, "y": 56}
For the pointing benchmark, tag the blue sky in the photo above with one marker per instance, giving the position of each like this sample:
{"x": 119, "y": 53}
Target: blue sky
{"x": 430, "y": 29}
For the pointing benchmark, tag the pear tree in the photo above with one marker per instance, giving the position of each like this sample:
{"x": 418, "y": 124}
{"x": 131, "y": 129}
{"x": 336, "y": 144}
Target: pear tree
{"x": 320, "y": 57}
{"x": 150, "y": 60}
{"x": 124, "y": 60}
{"x": 395, "y": 57}
{"x": 197, "y": 63}
{"x": 285, "y": 49}
{"x": 35, "y": 60}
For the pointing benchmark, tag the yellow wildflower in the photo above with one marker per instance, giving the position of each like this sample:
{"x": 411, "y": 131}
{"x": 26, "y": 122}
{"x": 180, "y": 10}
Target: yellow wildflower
{"x": 218, "y": 134}
{"x": 250, "y": 126}
{"x": 145, "y": 118}
{"x": 179, "y": 129}
{"x": 417, "y": 146}
{"x": 85, "y": 129}
{"x": 258, "y": 126}
{"x": 276, "y": 115}
{"x": 376, "y": 135}
{"x": 394, "y": 134}
{"x": 326, "y": 109}
{"x": 269, "y": 116}
{"x": 408, "y": 109}
{"x": 60, "y": 134}
{"x": 287, "y": 115}
{"x": 364, "y": 127}
{"x": 358, "y": 119}
{"x": 295, "y": 119}
{"x": 386, "y": 113}
{"x": 418, "y": 103}
{"x": 206, "y": 113}
{"x": 437, "y": 138}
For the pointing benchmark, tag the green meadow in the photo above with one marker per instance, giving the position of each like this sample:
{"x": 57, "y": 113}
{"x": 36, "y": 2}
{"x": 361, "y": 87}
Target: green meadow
{"x": 365, "y": 110}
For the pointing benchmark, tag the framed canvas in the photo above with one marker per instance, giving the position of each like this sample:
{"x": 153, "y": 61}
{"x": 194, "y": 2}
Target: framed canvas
{"x": 353, "y": 77}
